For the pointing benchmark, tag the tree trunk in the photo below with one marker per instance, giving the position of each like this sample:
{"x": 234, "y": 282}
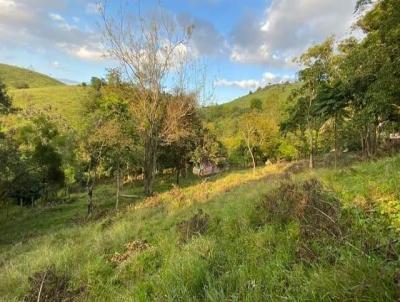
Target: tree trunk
{"x": 252, "y": 156}
{"x": 118, "y": 185}
{"x": 90, "y": 199}
{"x": 335, "y": 138}
{"x": 311, "y": 161}
{"x": 178, "y": 172}
{"x": 150, "y": 159}
{"x": 89, "y": 188}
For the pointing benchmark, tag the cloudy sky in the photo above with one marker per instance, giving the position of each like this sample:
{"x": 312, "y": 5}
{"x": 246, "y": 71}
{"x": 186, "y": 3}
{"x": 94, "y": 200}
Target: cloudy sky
{"x": 246, "y": 43}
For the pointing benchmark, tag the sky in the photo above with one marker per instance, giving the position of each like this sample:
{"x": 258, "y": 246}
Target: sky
{"x": 245, "y": 44}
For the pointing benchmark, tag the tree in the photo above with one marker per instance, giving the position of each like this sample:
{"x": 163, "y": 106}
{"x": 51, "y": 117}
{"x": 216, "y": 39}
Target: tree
{"x": 317, "y": 64}
{"x": 5, "y": 100}
{"x": 208, "y": 149}
{"x": 40, "y": 142}
{"x": 256, "y": 104}
{"x": 148, "y": 50}
{"x": 258, "y": 133}
{"x": 96, "y": 83}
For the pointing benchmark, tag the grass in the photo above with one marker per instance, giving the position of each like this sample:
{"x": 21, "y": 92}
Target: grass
{"x": 234, "y": 260}
{"x": 15, "y": 77}
{"x": 62, "y": 101}
{"x": 222, "y": 119}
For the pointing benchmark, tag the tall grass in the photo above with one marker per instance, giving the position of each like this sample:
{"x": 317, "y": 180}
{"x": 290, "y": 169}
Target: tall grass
{"x": 235, "y": 260}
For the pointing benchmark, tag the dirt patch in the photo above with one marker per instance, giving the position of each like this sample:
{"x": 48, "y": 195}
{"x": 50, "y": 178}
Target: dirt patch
{"x": 51, "y": 286}
{"x": 197, "y": 225}
{"x": 131, "y": 248}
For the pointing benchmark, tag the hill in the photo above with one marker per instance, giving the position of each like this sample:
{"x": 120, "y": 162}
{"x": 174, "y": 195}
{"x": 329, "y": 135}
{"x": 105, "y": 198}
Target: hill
{"x": 68, "y": 100}
{"x": 266, "y": 236}
{"x": 273, "y": 99}
{"x": 65, "y": 101}
{"x": 16, "y": 78}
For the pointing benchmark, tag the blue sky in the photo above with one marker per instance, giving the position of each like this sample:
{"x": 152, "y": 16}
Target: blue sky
{"x": 245, "y": 43}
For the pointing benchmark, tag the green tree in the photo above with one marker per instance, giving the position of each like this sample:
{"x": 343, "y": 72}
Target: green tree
{"x": 256, "y": 104}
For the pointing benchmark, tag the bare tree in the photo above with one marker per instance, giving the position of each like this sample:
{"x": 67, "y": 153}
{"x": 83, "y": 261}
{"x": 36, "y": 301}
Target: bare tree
{"x": 148, "y": 49}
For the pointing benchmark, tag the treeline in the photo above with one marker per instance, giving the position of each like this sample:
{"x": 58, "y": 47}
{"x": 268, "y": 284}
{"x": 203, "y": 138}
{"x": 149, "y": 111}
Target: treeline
{"x": 132, "y": 123}
{"x": 43, "y": 158}
{"x": 350, "y": 90}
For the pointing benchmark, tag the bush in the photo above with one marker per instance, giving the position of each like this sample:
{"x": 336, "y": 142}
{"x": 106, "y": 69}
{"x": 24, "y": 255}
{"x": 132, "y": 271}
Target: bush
{"x": 21, "y": 85}
{"x": 197, "y": 225}
{"x": 307, "y": 203}
{"x": 51, "y": 286}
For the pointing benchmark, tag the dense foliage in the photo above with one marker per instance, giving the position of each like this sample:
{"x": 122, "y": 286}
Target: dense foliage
{"x": 349, "y": 97}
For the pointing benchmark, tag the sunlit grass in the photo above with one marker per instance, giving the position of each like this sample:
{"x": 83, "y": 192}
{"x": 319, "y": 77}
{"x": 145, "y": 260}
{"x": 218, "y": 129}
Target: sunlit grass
{"x": 232, "y": 261}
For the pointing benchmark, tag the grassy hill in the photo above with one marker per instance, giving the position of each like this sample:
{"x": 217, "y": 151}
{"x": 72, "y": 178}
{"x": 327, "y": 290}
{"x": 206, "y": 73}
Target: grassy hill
{"x": 258, "y": 237}
{"x": 65, "y": 101}
{"x": 16, "y": 77}
{"x": 222, "y": 118}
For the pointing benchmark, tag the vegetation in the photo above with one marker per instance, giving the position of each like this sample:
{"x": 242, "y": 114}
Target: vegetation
{"x": 348, "y": 97}
{"x": 98, "y": 202}
{"x": 65, "y": 101}
{"x": 21, "y": 78}
{"x": 238, "y": 256}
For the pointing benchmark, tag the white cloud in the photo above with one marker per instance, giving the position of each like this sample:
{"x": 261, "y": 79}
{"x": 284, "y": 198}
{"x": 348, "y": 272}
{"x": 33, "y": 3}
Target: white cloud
{"x": 288, "y": 28}
{"x": 243, "y": 84}
{"x": 93, "y": 8}
{"x": 205, "y": 39}
{"x": 87, "y": 53}
{"x": 55, "y": 64}
{"x": 56, "y": 17}
{"x": 28, "y": 25}
{"x": 268, "y": 78}
{"x": 7, "y": 4}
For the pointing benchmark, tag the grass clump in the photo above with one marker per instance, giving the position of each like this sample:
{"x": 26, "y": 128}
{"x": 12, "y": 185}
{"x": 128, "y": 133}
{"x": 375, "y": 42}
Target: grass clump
{"x": 306, "y": 202}
{"x": 51, "y": 286}
{"x": 131, "y": 248}
{"x": 197, "y": 225}
{"x": 315, "y": 213}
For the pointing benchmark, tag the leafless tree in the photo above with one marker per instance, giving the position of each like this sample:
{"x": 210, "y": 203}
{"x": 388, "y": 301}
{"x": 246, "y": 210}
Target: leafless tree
{"x": 152, "y": 51}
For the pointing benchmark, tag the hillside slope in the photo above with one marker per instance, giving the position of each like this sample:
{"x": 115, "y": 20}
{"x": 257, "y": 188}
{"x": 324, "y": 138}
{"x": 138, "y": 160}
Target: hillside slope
{"x": 222, "y": 118}
{"x": 249, "y": 242}
{"x": 65, "y": 101}
{"x": 16, "y": 77}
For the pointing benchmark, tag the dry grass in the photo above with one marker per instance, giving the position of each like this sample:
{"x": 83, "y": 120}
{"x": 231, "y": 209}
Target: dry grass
{"x": 206, "y": 190}
{"x": 51, "y": 286}
{"x": 197, "y": 225}
{"x": 131, "y": 248}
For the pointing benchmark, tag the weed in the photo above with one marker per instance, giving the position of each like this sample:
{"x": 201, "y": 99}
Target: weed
{"x": 197, "y": 225}
{"x": 51, "y": 286}
{"x": 131, "y": 248}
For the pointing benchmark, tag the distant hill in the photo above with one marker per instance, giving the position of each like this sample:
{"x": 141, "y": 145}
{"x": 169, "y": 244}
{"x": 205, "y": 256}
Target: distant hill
{"x": 221, "y": 119}
{"x": 65, "y": 101}
{"x": 18, "y": 78}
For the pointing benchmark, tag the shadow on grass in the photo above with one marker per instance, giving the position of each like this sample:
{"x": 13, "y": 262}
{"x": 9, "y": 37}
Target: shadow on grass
{"x": 26, "y": 223}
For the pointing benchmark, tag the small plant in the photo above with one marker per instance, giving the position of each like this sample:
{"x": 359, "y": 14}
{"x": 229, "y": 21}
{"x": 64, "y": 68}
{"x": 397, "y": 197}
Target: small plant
{"x": 197, "y": 225}
{"x": 131, "y": 248}
{"x": 51, "y": 286}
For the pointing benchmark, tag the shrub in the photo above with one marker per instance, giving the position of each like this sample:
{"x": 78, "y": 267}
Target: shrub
{"x": 197, "y": 225}
{"x": 51, "y": 286}
{"x": 307, "y": 203}
{"x": 21, "y": 85}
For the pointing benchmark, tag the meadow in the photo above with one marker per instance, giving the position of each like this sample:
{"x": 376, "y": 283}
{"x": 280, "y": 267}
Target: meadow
{"x": 16, "y": 77}
{"x": 216, "y": 239}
